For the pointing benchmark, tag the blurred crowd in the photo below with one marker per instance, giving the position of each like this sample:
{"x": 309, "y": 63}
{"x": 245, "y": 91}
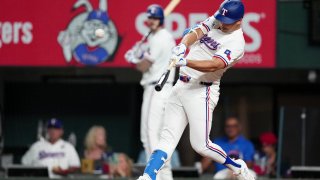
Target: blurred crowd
{"x": 61, "y": 157}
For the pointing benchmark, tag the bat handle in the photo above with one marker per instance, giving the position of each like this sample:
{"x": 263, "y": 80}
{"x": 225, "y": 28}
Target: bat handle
{"x": 171, "y": 65}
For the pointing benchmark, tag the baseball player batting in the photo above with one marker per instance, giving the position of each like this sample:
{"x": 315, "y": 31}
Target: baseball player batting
{"x": 217, "y": 44}
{"x": 152, "y": 59}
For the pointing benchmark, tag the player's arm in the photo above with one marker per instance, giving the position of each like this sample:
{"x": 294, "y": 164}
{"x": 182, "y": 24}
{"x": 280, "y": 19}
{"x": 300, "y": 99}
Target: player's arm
{"x": 64, "y": 172}
{"x": 206, "y": 65}
{"x": 224, "y": 57}
{"x": 28, "y": 157}
{"x": 192, "y": 37}
{"x": 143, "y": 65}
{"x": 195, "y": 33}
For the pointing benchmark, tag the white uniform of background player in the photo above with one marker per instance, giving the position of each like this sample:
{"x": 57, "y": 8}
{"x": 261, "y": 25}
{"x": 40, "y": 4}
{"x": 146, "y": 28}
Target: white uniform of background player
{"x": 152, "y": 58}
{"x": 195, "y": 96}
{"x": 60, "y": 156}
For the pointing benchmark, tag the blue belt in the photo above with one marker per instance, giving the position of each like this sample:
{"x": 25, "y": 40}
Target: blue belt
{"x": 186, "y": 79}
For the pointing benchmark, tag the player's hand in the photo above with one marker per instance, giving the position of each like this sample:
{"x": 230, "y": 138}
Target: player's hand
{"x": 179, "y": 50}
{"x": 130, "y": 57}
{"x": 180, "y": 61}
{"x": 58, "y": 170}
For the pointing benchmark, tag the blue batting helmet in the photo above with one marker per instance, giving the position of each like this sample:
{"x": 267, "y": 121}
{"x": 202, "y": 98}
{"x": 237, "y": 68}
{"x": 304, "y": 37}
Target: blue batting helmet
{"x": 156, "y": 11}
{"x": 230, "y": 11}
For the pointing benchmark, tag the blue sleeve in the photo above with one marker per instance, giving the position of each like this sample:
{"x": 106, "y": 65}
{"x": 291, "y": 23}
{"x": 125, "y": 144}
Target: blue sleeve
{"x": 249, "y": 152}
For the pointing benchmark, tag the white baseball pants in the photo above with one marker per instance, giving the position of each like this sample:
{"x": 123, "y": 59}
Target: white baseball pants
{"x": 191, "y": 103}
{"x": 152, "y": 121}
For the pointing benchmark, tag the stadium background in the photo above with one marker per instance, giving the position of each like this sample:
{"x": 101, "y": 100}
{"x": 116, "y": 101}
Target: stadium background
{"x": 36, "y": 83}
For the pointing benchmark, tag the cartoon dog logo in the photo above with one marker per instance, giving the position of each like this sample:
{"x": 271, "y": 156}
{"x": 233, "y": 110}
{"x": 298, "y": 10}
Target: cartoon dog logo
{"x": 79, "y": 41}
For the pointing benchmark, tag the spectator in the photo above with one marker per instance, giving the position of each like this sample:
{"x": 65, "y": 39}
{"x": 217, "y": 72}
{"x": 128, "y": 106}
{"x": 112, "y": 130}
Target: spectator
{"x": 234, "y": 144}
{"x": 174, "y": 161}
{"x": 122, "y": 167}
{"x": 95, "y": 143}
{"x": 265, "y": 162}
{"x": 58, "y": 155}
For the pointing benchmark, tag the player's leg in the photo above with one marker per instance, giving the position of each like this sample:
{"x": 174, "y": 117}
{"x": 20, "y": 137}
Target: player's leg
{"x": 174, "y": 125}
{"x": 145, "y": 108}
{"x": 155, "y": 117}
{"x": 199, "y": 113}
{"x": 155, "y": 122}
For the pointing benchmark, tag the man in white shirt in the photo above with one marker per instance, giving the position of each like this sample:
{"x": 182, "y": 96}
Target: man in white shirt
{"x": 152, "y": 59}
{"x": 58, "y": 155}
{"x": 216, "y": 44}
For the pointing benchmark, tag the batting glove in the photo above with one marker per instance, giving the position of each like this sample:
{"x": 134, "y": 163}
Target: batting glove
{"x": 131, "y": 58}
{"x": 180, "y": 62}
{"x": 179, "y": 50}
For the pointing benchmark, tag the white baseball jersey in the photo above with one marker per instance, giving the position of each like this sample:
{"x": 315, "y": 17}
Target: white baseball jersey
{"x": 43, "y": 153}
{"x": 228, "y": 47}
{"x": 160, "y": 46}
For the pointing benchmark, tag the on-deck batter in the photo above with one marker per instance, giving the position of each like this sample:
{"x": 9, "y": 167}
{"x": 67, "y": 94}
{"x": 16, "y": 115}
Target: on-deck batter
{"x": 152, "y": 59}
{"x": 216, "y": 45}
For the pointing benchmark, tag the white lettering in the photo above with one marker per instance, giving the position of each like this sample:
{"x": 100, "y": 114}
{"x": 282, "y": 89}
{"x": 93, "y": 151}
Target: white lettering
{"x": 16, "y": 28}
{"x": 140, "y": 26}
{"x": 15, "y": 33}
{"x": 250, "y": 31}
{"x": 27, "y": 34}
{"x": 0, "y": 35}
{"x": 6, "y": 33}
{"x": 224, "y": 11}
{"x": 195, "y": 18}
{"x": 180, "y": 22}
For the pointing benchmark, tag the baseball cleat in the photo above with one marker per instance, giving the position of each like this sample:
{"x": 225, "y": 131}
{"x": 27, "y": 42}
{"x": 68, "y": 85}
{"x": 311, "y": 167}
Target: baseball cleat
{"x": 144, "y": 177}
{"x": 244, "y": 173}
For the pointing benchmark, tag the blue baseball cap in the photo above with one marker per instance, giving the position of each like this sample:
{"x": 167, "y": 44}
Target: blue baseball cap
{"x": 54, "y": 123}
{"x": 99, "y": 15}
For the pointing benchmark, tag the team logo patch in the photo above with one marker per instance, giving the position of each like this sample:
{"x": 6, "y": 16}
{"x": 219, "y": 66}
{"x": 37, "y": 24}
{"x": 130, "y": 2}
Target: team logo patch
{"x": 209, "y": 42}
{"x": 228, "y": 53}
{"x": 78, "y": 41}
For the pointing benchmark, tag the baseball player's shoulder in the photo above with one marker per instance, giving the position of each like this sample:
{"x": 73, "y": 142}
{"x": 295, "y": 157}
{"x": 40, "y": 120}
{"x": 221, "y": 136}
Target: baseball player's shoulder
{"x": 40, "y": 143}
{"x": 238, "y": 34}
{"x": 164, "y": 33}
{"x": 66, "y": 144}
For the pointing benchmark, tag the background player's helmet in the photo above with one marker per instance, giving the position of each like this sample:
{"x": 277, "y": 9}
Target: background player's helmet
{"x": 99, "y": 15}
{"x": 230, "y": 11}
{"x": 156, "y": 11}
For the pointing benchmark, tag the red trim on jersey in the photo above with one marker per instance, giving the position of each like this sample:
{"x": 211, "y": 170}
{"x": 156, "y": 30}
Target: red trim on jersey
{"x": 222, "y": 59}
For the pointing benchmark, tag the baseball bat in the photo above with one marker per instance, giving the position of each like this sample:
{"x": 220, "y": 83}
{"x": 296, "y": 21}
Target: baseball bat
{"x": 164, "y": 77}
{"x": 169, "y": 8}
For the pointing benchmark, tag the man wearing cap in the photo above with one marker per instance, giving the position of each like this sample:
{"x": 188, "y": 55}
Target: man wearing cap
{"x": 58, "y": 155}
{"x": 216, "y": 44}
{"x": 265, "y": 163}
{"x": 152, "y": 58}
